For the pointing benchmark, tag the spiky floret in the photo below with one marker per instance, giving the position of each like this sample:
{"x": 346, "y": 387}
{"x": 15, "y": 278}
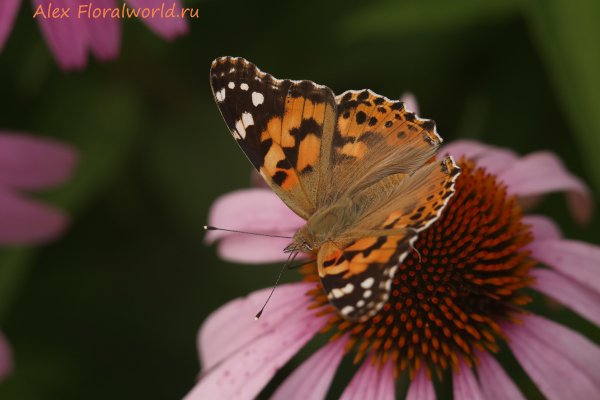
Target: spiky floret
{"x": 447, "y": 296}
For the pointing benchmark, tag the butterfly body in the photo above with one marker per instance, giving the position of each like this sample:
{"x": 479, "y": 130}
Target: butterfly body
{"x": 355, "y": 167}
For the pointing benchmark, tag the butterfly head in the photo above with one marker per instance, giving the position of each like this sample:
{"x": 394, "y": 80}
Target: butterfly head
{"x": 303, "y": 242}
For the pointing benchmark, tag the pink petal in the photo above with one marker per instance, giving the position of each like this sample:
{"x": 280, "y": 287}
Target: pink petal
{"x": 26, "y": 221}
{"x": 493, "y": 159}
{"x": 543, "y": 172}
{"x": 577, "y": 260}
{"x": 311, "y": 380}
{"x": 232, "y": 326}
{"x": 9, "y": 9}
{"x": 421, "y": 388}
{"x": 168, "y": 28}
{"x": 370, "y": 383}
{"x": 252, "y": 210}
{"x": 410, "y": 102}
{"x": 103, "y": 35}
{"x": 495, "y": 383}
{"x": 29, "y": 162}
{"x": 561, "y": 362}
{"x": 66, "y": 37}
{"x": 243, "y": 375}
{"x": 465, "y": 385}
{"x": 579, "y": 298}
{"x": 6, "y": 358}
{"x": 249, "y": 249}
{"x": 542, "y": 227}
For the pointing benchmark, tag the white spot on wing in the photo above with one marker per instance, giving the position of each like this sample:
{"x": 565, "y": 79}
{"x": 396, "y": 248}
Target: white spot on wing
{"x": 240, "y": 128}
{"x": 360, "y": 303}
{"x": 244, "y": 86}
{"x": 367, "y": 294}
{"x": 337, "y": 293}
{"x": 367, "y": 283}
{"x": 220, "y": 95}
{"x": 232, "y": 70}
{"x": 247, "y": 119}
{"x": 231, "y": 85}
{"x": 388, "y": 285}
{"x": 347, "y": 310}
{"x": 257, "y": 98}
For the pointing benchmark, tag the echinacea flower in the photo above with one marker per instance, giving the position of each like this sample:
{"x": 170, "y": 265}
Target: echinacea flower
{"x": 29, "y": 163}
{"x": 70, "y": 39}
{"x": 452, "y": 302}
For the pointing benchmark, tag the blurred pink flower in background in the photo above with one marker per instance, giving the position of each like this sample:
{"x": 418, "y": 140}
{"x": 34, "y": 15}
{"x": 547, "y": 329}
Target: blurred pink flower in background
{"x": 240, "y": 356}
{"x": 70, "y": 39}
{"x": 30, "y": 163}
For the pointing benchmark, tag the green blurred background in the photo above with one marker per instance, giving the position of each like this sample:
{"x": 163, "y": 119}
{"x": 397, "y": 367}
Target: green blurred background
{"x": 111, "y": 310}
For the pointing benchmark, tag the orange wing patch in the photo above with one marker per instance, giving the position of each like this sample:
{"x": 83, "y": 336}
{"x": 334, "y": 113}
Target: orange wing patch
{"x": 364, "y": 114}
{"x": 358, "y": 278}
{"x": 281, "y": 125}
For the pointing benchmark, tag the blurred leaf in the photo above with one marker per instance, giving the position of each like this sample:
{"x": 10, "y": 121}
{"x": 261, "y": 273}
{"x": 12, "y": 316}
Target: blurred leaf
{"x": 418, "y": 17}
{"x": 14, "y": 264}
{"x": 568, "y": 36}
{"x": 102, "y": 128}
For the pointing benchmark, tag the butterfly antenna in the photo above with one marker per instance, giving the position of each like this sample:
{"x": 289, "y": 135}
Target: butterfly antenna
{"x": 280, "y": 273}
{"x": 212, "y": 228}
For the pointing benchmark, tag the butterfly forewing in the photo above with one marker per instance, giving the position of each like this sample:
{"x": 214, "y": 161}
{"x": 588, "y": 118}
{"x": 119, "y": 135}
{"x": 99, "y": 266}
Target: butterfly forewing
{"x": 376, "y": 137}
{"x": 281, "y": 125}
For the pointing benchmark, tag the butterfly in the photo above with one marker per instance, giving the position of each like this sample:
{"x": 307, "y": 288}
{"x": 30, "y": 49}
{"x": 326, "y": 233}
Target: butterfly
{"x": 357, "y": 167}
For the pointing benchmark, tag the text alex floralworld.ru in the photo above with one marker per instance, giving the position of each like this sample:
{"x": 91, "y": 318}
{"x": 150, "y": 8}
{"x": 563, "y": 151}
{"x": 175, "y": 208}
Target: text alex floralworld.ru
{"x": 87, "y": 11}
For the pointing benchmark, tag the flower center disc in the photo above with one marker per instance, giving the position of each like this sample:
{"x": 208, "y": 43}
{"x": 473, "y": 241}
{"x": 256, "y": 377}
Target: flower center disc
{"x": 447, "y": 295}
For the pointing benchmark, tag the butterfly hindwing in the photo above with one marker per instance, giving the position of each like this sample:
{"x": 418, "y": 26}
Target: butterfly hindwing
{"x": 281, "y": 125}
{"x": 357, "y": 273}
{"x": 358, "y": 278}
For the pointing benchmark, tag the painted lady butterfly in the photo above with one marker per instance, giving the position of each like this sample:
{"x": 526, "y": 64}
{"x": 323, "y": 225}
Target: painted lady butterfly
{"x": 355, "y": 167}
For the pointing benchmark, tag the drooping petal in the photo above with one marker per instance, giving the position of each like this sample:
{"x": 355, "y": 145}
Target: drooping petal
{"x": 410, "y": 102}
{"x": 579, "y": 298}
{"x": 9, "y": 9}
{"x": 578, "y": 260}
{"x": 232, "y": 327}
{"x": 561, "y": 362}
{"x": 495, "y": 383}
{"x": 370, "y": 383}
{"x": 103, "y": 33}
{"x": 6, "y": 357}
{"x": 243, "y": 375}
{"x": 29, "y": 162}
{"x": 543, "y": 172}
{"x": 66, "y": 37}
{"x": 465, "y": 384}
{"x": 421, "y": 388}
{"x": 167, "y": 22}
{"x": 26, "y": 221}
{"x": 311, "y": 380}
{"x": 542, "y": 227}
